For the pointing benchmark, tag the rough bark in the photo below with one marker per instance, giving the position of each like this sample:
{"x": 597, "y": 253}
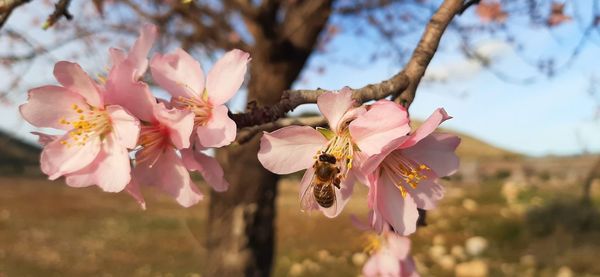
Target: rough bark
{"x": 241, "y": 232}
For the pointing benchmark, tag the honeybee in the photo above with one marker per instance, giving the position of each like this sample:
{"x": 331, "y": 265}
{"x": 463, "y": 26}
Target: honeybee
{"x": 323, "y": 183}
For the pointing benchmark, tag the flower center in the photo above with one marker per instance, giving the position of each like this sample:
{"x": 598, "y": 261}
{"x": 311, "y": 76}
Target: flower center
{"x": 341, "y": 147}
{"x": 200, "y": 107}
{"x": 153, "y": 139}
{"x": 403, "y": 170}
{"x": 87, "y": 125}
{"x": 373, "y": 243}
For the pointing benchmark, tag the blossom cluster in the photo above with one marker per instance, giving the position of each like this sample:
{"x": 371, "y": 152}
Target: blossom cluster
{"x": 374, "y": 145}
{"x": 120, "y": 137}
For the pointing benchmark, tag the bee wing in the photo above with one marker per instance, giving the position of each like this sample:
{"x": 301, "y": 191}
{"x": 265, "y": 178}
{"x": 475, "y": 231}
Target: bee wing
{"x": 307, "y": 199}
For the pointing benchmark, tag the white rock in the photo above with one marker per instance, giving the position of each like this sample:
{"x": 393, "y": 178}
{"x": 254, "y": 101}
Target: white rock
{"x": 565, "y": 271}
{"x": 310, "y": 266}
{"x": 458, "y": 252}
{"x": 439, "y": 240}
{"x": 528, "y": 260}
{"x": 324, "y": 256}
{"x": 358, "y": 259}
{"x": 470, "y": 205}
{"x": 296, "y": 269}
{"x": 447, "y": 262}
{"x": 437, "y": 251}
{"x": 475, "y": 268}
{"x": 476, "y": 245}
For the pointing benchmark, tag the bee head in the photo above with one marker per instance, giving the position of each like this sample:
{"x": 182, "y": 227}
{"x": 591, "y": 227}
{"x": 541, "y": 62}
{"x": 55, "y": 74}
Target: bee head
{"x": 327, "y": 158}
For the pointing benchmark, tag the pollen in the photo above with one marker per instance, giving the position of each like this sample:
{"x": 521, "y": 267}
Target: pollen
{"x": 341, "y": 147}
{"x": 94, "y": 123}
{"x": 152, "y": 142}
{"x": 201, "y": 108}
{"x": 373, "y": 244}
{"x": 404, "y": 171}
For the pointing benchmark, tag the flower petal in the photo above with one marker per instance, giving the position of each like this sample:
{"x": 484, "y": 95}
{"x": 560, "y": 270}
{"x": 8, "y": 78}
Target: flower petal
{"x": 179, "y": 122}
{"x": 408, "y": 267}
{"x": 226, "y": 76}
{"x": 290, "y": 149}
{"x": 334, "y": 105}
{"x": 138, "y": 55}
{"x": 169, "y": 175}
{"x": 72, "y": 77}
{"x": 371, "y": 163}
{"x": 125, "y": 126}
{"x": 179, "y": 74}
{"x": 209, "y": 167}
{"x": 111, "y": 170}
{"x": 398, "y": 211}
{"x": 219, "y": 131}
{"x": 434, "y": 120}
{"x": 398, "y": 245}
{"x": 427, "y": 194}
{"x": 382, "y": 263}
{"x": 437, "y": 152}
{"x": 44, "y": 139}
{"x": 116, "y": 56}
{"x": 382, "y": 123}
{"x": 133, "y": 189}
{"x": 47, "y": 105}
{"x": 124, "y": 90}
{"x": 58, "y": 159}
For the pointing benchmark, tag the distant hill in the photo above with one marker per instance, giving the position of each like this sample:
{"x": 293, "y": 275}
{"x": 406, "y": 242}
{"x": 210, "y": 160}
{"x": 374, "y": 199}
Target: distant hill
{"x": 473, "y": 148}
{"x": 17, "y": 156}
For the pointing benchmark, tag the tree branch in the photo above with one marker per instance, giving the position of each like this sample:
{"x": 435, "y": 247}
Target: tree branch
{"x": 415, "y": 69}
{"x": 294, "y": 98}
{"x": 8, "y": 7}
{"x": 60, "y": 9}
{"x": 247, "y": 134}
{"x": 401, "y": 86}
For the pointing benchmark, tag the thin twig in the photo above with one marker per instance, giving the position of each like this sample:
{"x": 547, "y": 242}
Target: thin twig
{"x": 401, "y": 86}
{"x": 8, "y": 7}
{"x": 60, "y": 9}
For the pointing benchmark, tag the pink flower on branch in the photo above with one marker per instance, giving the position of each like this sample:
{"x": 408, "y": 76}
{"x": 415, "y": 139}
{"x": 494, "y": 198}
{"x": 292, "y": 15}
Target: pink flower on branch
{"x": 94, "y": 149}
{"x": 404, "y": 176}
{"x": 157, "y": 162}
{"x": 389, "y": 257}
{"x": 330, "y": 156}
{"x": 100, "y": 130}
{"x": 182, "y": 76}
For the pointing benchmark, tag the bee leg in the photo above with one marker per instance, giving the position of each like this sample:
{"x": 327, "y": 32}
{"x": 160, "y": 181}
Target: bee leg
{"x": 336, "y": 182}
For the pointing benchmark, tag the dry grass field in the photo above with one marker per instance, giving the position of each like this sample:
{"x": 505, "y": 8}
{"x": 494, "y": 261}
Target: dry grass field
{"x": 501, "y": 225}
{"x": 47, "y": 229}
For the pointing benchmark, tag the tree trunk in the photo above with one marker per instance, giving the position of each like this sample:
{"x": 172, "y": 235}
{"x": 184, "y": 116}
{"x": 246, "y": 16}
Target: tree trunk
{"x": 241, "y": 221}
{"x": 241, "y": 235}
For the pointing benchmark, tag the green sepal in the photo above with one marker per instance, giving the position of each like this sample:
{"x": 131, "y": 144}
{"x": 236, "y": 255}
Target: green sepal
{"x": 328, "y": 134}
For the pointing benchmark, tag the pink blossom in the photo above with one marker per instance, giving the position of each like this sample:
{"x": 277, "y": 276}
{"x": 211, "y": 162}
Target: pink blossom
{"x": 354, "y": 133}
{"x": 404, "y": 176}
{"x": 389, "y": 257}
{"x": 97, "y": 118}
{"x": 94, "y": 149}
{"x": 182, "y": 76}
{"x": 163, "y": 158}
{"x": 157, "y": 162}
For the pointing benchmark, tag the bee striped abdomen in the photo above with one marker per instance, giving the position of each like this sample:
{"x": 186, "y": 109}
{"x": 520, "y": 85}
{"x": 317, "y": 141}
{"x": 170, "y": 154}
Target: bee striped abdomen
{"x": 324, "y": 194}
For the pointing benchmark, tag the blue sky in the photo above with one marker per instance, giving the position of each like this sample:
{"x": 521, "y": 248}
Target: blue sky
{"x": 549, "y": 116}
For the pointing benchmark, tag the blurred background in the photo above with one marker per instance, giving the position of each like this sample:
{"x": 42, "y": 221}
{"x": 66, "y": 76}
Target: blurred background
{"x": 520, "y": 78}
